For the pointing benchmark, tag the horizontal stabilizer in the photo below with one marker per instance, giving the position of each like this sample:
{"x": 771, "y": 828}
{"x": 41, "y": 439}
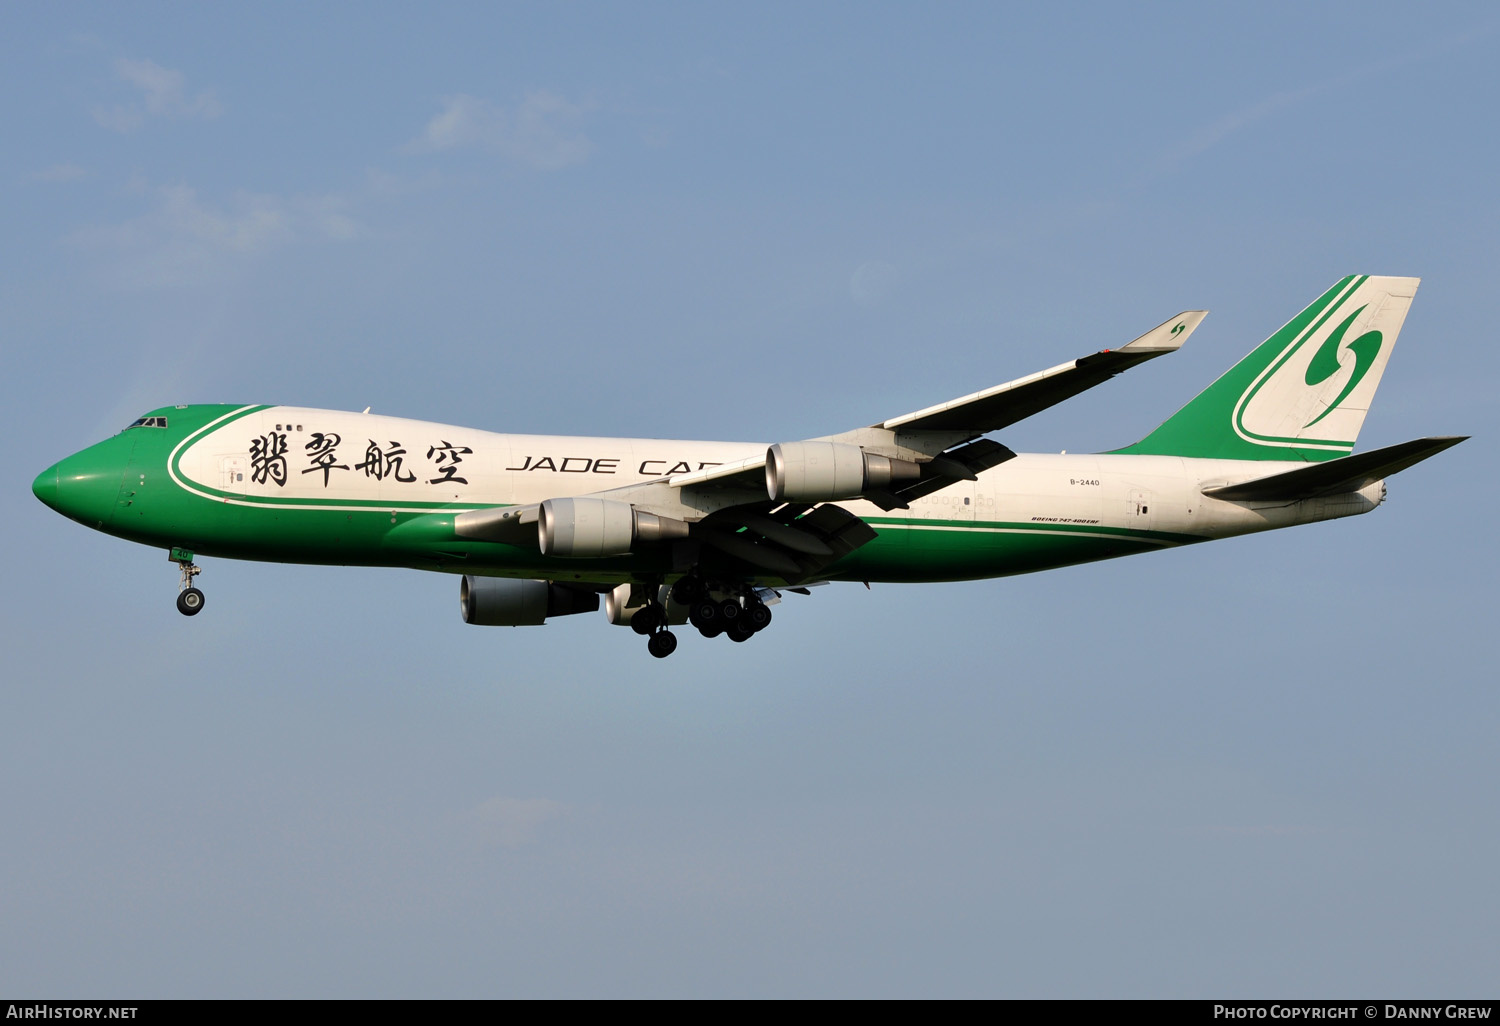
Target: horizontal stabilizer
{"x": 1335, "y": 477}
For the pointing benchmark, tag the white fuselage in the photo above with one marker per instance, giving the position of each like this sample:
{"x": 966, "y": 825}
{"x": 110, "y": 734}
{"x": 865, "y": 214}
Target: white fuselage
{"x": 413, "y": 466}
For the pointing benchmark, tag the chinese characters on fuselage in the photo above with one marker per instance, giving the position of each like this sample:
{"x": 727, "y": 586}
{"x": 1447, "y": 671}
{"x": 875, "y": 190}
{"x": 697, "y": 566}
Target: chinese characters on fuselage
{"x": 320, "y": 451}
{"x": 381, "y": 465}
{"x": 448, "y": 458}
{"x": 268, "y": 459}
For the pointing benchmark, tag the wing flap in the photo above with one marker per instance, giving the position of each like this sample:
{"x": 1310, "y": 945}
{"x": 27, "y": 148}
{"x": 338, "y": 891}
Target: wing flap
{"x": 790, "y": 541}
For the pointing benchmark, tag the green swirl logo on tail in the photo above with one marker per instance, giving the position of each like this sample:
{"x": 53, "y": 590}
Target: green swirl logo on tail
{"x": 1325, "y": 362}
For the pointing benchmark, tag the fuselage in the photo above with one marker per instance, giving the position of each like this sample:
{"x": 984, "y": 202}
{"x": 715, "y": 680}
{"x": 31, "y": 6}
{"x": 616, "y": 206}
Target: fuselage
{"x": 318, "y": 486}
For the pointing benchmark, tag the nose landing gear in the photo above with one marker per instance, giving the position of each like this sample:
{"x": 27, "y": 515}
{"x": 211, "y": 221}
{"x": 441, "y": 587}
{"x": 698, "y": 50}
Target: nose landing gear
{"x": 189, "y": 598}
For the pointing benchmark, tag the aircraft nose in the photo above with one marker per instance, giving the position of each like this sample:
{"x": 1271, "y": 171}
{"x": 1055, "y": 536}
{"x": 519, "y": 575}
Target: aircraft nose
{"x": 45, "y": 486}
{"x": 86, "y": 486}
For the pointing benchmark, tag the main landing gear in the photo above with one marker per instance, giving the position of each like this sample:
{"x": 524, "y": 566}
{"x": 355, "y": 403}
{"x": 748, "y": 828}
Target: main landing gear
{"x": 732, "y": 609}
{"x": 189, "y": 598}
{"x": 739, "y": 616}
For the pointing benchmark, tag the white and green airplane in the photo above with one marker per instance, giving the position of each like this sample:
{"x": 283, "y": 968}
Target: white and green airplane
{"x": 671, "y": 532}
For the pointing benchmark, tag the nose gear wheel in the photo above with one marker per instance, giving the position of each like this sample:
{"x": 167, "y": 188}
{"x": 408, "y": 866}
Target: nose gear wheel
{"x": 189, "y": 599}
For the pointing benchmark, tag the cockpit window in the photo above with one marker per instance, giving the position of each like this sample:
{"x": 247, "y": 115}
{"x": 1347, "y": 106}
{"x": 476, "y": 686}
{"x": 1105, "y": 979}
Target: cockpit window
{"x": 158, "y": 422}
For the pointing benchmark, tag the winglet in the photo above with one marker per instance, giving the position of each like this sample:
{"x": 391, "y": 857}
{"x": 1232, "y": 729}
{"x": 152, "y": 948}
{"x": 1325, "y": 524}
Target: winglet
{"x": 1168, "y": 335}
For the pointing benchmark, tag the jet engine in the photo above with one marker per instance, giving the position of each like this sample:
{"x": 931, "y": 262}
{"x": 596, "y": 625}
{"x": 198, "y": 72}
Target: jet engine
{"x": 585, "y": 526}
{"x": 628, "y": 599}
{"x": 825, "y": 471}
{"x": 506, "y": 602}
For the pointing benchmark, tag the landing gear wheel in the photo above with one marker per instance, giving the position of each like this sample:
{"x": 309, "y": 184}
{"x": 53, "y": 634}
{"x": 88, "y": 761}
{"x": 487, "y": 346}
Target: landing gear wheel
{"x": 662, "y": 644}
{"x": 729, "y": 611}
{"x": 740, "y": 631}
{"x": 704, "y": 615}
{"x": 758, "y": 616}
{"x": 189, "y": 598}
{"x": 711, "y": 631}
{"x": 646, "y": 619}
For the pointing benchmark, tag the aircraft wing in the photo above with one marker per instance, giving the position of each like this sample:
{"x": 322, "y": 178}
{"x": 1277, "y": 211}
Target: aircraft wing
{"x": 1003, "y": 405}
{"x": 737, "y": 510}
{"x": 967, "y": 417}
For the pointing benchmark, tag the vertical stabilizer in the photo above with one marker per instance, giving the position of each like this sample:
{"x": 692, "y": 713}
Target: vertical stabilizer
{"x": 1304, "y": 392}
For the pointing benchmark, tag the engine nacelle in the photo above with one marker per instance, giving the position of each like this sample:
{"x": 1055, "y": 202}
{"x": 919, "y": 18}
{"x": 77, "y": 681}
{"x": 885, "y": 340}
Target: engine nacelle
{"x": 586, "y": 526}
{"x": 506, "y": 602}
{"x": 826, "y": 471}
{"x": 628, "y": 599}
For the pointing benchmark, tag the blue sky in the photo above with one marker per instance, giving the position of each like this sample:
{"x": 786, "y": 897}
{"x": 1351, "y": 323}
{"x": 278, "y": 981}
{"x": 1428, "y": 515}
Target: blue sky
{"x": 1258, "y": 768}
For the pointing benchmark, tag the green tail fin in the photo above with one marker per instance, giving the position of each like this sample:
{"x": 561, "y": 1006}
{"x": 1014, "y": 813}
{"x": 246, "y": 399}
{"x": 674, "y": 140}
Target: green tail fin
{"x": 1304, "y": 392}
